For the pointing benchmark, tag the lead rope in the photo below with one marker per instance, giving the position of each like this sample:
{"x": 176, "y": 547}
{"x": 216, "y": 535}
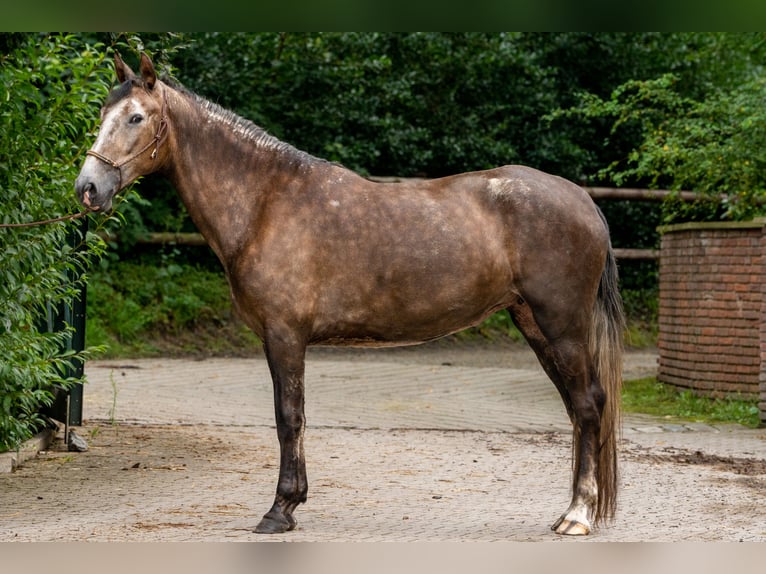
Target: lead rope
{"x": 46, "y": 221}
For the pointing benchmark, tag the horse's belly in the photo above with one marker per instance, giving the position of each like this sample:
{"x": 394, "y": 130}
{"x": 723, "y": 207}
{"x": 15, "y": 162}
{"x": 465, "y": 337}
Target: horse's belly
{"x": 366, "y": 342}
{"x": 403, "y": 325}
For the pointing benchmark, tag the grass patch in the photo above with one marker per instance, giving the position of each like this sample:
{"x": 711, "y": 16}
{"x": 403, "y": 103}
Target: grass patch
{"x": 641, "y": 314}
{"x": 496, "y": 326}
{"x": 649, "y": 396}
{"x": 144, "y": 310}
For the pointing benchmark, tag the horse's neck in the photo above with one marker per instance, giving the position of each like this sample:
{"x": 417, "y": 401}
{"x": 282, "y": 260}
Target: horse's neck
{"x": 221, "y": 179}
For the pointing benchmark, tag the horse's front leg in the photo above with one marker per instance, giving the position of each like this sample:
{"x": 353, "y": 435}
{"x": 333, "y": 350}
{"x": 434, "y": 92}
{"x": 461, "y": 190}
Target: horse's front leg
{"x": 286, "y": 354}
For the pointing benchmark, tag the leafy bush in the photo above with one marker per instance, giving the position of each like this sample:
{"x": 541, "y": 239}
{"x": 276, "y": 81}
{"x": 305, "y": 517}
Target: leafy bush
{"x": 50, "y": 86}
{"x": 130, "y": 300}
{"x": 708, "y": 138}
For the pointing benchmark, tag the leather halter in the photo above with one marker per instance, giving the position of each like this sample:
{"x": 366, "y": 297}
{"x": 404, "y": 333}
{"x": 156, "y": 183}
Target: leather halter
{"x": 158, "y": 139}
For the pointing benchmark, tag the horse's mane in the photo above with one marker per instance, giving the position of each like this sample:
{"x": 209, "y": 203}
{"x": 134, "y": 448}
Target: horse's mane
{"x": 244, "y": 128}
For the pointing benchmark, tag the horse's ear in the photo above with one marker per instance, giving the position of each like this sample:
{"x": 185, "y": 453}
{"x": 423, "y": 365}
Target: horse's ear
{"x": 147, "y": 72}
{"x": 123, "y": 70}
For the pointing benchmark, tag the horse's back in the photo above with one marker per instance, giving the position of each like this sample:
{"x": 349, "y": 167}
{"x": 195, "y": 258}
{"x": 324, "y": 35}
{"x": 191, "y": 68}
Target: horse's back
{"x": 531, "y": 192}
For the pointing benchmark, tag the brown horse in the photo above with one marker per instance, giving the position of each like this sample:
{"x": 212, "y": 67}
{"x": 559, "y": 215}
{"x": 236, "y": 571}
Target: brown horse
{"x": 317, "y": 255}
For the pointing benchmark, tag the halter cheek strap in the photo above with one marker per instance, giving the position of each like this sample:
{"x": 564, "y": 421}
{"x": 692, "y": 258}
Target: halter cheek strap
{"x": 158, "y": 139}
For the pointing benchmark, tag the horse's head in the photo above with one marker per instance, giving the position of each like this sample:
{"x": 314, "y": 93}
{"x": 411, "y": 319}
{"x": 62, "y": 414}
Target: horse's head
{"x": 129, "y": 143}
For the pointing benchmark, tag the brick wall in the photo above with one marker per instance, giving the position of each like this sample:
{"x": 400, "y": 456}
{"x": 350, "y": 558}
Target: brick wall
{"x": 712, "y": 331}
{"x": 762, "y": 331}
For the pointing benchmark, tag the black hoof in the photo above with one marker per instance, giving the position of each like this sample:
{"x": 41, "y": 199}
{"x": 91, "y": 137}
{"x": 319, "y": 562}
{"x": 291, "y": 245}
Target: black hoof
{"x": 275, "y": 523}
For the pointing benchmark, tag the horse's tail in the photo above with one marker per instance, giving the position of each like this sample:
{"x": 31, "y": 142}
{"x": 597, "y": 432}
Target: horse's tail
{"x": 606, "y": 346}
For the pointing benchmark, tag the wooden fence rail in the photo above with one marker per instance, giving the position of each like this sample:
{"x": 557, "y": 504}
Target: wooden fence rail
{"x": 624, "y": 194}
{"x": 627, "y": 194}
{"x": 621, "y": 193}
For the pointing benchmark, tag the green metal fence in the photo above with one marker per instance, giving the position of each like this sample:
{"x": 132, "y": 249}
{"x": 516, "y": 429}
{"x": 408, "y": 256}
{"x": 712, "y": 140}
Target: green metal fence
{"x": 67, "y": 407}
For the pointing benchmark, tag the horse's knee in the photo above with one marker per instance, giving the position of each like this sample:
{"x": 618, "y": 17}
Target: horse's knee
{"x": 291, "y": 424}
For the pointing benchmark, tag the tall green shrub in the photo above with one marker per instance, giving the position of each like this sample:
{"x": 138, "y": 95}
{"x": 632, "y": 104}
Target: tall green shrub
{"x": 707, "y": 138}
{"x": 50, "y": 89}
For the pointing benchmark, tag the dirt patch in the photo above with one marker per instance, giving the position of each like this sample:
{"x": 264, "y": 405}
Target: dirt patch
{"x": 162, "y": 525}
{"x": 744, "y": 466}
{"x": 736, "y": 465}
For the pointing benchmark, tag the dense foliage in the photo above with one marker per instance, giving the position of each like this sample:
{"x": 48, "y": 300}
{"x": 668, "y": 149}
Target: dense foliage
{"x": 705, "y": 134}
{"x": 49, "y": 87}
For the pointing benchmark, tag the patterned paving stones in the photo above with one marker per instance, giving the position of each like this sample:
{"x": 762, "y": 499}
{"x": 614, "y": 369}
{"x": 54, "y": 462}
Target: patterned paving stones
{"x": 398, "y": 449}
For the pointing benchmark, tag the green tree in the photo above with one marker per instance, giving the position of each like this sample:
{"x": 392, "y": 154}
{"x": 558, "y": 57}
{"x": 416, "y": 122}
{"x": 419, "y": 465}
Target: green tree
{"x": 383, "y": 103}
{"x": 50, "y": 85}
{"x": 702, "y": 132}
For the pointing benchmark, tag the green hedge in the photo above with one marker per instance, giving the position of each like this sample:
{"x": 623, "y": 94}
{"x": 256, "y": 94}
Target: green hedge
{"x": 50, "y": 87}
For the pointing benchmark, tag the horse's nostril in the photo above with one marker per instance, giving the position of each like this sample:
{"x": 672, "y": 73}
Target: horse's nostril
{"x": 88, "y": 193}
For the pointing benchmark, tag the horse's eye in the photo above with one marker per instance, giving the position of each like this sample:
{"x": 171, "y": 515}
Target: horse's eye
{"x": 136, "y": 119}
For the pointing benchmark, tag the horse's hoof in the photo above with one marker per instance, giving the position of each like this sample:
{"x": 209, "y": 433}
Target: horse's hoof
{"x": 571, "y": 527}
{"x": 275, "y": 523}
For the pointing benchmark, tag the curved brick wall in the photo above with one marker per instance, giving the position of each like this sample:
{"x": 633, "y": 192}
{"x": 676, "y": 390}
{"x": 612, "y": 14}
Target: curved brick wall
{"x": 712, "y": 323}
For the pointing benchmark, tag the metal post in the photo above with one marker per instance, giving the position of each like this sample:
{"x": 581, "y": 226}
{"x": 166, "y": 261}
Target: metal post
{"x": 67, "y": 407}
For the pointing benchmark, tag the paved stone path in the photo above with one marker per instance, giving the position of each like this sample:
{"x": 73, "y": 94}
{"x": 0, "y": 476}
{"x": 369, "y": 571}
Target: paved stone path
{"x": 397, "y": 449}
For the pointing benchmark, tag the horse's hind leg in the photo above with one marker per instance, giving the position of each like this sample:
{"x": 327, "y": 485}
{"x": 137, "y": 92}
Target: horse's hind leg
{"x": 587, "y": 403}
{"x": 286, "y": 357}
{"x": 566, "y": 360}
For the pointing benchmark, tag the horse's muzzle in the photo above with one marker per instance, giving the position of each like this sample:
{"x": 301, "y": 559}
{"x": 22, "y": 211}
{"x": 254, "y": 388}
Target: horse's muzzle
{"x": 88, "y": 195}
{"x": 92, "y": 195}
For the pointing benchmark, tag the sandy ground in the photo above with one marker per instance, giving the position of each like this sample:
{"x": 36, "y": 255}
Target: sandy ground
{"x": 151, "y": 477}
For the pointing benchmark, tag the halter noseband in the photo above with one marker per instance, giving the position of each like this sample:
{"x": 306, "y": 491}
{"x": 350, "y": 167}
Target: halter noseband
{"x": 158, "y": 139}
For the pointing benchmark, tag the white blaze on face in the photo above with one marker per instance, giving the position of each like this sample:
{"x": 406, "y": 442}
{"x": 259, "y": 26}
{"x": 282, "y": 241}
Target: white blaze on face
{"x": 117, "y": 140}
{"x": 117, "y": 136}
